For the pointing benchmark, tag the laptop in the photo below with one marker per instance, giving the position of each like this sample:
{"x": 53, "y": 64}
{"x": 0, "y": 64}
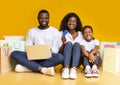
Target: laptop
{"x": 38, "y": 52}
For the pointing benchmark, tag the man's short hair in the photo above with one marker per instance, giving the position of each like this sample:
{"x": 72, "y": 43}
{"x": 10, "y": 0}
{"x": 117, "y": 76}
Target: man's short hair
{"x": 43, "y": 11}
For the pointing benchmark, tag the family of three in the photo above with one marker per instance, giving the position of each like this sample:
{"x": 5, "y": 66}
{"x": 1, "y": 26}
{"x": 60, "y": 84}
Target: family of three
{"x": 71, "y": 46}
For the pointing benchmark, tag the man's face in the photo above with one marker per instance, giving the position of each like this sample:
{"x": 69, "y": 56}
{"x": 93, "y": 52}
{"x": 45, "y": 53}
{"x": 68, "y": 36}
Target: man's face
{"x": 43, "y": 19}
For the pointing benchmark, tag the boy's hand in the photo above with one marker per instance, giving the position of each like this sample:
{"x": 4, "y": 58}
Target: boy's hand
{"x": 92, "y": 58}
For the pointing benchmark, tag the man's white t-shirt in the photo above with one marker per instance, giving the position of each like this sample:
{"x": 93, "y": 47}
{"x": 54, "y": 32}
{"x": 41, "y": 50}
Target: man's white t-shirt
{"x": 89, "y": 45}
{"x": 49, "y": 36}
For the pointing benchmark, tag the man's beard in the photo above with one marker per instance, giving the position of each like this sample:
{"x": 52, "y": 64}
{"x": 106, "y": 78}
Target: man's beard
{"x": 43, "y": 26}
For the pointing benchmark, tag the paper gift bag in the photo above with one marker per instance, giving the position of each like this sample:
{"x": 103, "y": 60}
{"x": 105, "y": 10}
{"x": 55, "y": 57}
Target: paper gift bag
{"x": 5, "y": 59}
{"x": 15, "y": 46}
{"x": 111, "y": 59}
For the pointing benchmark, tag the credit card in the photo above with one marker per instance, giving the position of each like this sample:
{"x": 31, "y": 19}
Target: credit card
{"x": 65, "y": 32}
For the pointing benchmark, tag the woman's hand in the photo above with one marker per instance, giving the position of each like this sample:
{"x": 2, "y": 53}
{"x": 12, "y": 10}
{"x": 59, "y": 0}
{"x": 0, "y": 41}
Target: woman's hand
{"x": 63, "y": 40}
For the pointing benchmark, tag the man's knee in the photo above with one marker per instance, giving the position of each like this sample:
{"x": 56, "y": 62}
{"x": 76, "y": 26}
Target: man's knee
{"x": 13, "y": 54}
{"x": 61, "y": 58}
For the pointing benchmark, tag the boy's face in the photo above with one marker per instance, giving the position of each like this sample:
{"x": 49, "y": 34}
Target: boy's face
{"x": 88, "y": 34}
{"x": 43, "y": 19}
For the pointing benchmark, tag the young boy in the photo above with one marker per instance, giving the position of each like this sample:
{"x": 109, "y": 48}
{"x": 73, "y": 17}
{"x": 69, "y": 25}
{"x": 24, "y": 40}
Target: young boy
{"x": 89, "y": 47}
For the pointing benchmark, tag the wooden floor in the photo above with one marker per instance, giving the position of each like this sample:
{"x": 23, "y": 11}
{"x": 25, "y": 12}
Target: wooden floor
{"x": 13, "y": 78}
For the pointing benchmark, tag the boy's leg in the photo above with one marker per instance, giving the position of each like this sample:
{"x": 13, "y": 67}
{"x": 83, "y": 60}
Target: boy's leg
{"x": 88, "y": 71}
{"x": 95, "y": 71}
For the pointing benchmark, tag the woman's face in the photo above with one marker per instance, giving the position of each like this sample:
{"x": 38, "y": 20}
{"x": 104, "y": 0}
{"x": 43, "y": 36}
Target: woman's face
{"x": 72, "y": 22}
{"x": 88, "y": 34}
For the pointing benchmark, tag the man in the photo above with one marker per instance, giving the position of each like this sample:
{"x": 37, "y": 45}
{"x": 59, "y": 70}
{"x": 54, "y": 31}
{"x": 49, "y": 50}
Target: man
{"x": 43, "y": 34}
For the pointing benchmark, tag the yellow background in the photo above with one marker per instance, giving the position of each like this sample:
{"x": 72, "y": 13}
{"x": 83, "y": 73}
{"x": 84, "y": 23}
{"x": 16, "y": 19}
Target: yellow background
{"x": 18, "y": 16}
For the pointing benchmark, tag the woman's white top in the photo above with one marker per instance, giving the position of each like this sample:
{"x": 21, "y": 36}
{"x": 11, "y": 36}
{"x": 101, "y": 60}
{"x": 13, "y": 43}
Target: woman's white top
{"x": 69, "y": 37}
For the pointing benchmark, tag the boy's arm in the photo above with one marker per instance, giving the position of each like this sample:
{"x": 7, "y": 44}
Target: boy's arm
{"x": 84, "y": 51}
{"x": 92, "y": 56}
{"x": 95, "y": 50}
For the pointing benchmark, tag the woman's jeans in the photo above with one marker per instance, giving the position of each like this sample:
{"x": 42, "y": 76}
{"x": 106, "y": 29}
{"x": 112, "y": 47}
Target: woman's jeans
{"x": 21, "y": 57}
{"x": 72, "y": 54}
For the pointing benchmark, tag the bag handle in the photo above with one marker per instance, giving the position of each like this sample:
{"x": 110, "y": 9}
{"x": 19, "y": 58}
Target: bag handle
{"x": 6, "y": 50}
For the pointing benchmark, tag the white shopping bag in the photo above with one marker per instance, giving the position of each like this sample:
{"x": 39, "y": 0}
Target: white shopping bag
{"x": 111, "y": 59}
{"x": 14, "y": 38}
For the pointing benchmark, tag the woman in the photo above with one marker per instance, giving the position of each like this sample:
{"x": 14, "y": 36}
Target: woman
{"x": 71, "y": 44}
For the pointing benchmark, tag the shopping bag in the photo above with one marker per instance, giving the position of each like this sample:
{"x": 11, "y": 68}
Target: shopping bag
{"x": 17, "y": 45}
{"x": 3, "y": 43}
{"x": 111, "y": 59}
{"x": 16, "y": 42}
{"x": 14, "y": 38}
{"x": 5, "y": 59}
{"x": 102, "y": 44}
